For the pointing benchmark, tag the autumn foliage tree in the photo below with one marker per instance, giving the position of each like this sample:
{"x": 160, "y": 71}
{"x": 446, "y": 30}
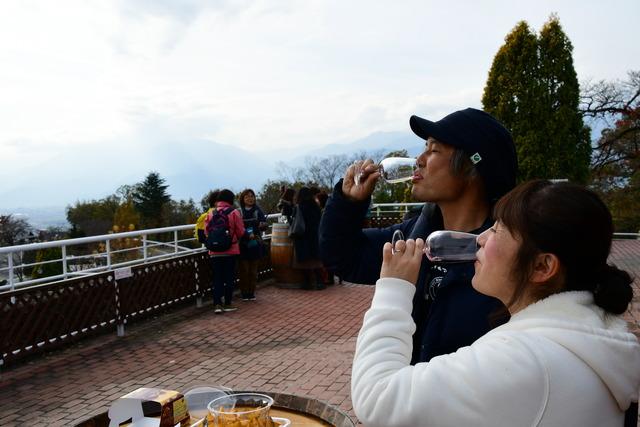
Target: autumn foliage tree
{"x": 533, "y": 89}
{"x": 614, "y": 106}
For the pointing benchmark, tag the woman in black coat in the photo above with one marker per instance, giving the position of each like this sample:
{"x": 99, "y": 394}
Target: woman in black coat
{"x": 307, "y": 256}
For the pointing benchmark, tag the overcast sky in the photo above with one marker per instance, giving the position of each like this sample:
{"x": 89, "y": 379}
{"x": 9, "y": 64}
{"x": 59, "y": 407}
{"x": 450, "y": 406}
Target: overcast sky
{"x": 81, "y": 77}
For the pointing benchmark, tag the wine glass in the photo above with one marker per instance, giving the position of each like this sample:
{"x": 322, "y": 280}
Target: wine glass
{"x": 392, "y": 170}
{"x": 445, "y": 246}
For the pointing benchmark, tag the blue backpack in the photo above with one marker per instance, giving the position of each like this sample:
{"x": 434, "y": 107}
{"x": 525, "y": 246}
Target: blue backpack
{"x": 219, "y": 238}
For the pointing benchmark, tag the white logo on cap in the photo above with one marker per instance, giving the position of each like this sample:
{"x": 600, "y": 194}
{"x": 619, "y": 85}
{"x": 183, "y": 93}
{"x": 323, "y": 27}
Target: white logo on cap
{"x": 475, "y": 158}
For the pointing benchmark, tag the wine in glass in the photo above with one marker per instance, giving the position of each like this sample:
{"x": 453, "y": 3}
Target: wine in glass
{"x": 393, "y": 170}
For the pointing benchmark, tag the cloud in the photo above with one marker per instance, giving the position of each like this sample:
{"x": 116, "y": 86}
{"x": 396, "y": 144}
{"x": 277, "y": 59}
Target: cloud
{"x": 83, "y": 81}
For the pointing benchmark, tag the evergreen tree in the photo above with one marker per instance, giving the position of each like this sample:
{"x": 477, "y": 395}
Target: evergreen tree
{"x": 149, "y": 198}
{"x": 533, "y": 89}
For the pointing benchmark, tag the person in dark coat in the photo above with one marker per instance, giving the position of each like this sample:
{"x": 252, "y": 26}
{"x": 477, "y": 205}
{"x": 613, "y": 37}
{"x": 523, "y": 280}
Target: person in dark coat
{"x": 285, "y": 204}
{"x": 251, "y": 246}
{"x": 468, "y": 163}
{"x": 306, "y": 250}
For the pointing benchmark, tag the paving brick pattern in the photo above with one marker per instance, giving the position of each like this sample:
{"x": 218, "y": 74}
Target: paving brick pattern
{"x": 625, "y": 254}
{"x": 289, "y": 341}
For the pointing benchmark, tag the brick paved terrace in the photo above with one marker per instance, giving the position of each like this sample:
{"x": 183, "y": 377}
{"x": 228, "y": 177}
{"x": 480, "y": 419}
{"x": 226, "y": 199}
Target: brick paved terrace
{"x": 288, "y": 341}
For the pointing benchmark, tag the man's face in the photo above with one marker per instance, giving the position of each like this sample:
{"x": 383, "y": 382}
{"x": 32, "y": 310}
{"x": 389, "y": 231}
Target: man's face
{"x": 434, "y": 181}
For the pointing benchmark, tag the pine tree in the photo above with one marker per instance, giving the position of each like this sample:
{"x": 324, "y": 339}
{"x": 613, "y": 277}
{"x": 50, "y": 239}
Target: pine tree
{"x": 149, "y": 198}
{"x": 533, "y": 89}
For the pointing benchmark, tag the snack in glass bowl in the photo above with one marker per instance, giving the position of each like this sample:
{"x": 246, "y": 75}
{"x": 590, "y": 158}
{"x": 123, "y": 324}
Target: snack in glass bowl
{"x": 244, "y": 410}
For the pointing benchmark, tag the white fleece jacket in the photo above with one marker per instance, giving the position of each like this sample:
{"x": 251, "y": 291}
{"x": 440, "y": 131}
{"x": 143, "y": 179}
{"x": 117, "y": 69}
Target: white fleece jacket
{"x": 559, "y": 362}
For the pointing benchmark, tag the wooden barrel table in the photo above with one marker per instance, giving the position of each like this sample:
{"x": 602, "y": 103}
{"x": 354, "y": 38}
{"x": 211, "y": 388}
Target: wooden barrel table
{"x": 282, "y": 256}
{"x": 302, "y": 411}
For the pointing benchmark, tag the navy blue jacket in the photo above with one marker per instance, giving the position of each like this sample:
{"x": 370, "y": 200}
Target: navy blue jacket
{"x": 253, "y": 218}
{"x": 454, "y": 317}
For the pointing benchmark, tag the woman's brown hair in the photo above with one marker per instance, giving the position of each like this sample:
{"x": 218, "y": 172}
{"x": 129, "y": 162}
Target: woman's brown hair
{"x": 572, "y": 223}
{"x": 244, "y": 193}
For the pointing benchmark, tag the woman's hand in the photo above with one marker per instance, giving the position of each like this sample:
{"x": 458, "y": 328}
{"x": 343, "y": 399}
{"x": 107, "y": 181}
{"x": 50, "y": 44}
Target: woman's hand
{"x": 404, "y": 262}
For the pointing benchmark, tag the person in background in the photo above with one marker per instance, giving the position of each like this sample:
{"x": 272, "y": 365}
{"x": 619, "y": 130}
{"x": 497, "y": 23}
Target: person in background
{"x": 306, "y": 256}
{"x": 251, "y": 246}
{"x": 565, "y": 358}
{"x": 285, "y": 205}
{"x": 223, "y": 263}
{"x": 321, "y": 199}
{"x": 314, "y": 192}
{"x": 200, "y": 234}
{"x": 468, "y": 163}
{"x": 328, "y": 276}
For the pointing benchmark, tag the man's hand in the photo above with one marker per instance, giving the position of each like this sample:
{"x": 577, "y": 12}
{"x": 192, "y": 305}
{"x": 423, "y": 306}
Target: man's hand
{"x": 404, "y": 262}
{"x": 367, "y": 173}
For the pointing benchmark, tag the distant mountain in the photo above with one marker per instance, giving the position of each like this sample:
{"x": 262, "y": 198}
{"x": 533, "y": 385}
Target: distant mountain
{"x": 195, "y": 168}
{"x": 190, "y": 168}
{"x": 378, "y": 141}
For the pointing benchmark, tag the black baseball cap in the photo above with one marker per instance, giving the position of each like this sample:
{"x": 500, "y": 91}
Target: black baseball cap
{"x": 487, "y": 142}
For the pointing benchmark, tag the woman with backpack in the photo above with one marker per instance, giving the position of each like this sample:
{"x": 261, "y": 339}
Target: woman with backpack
{"x": 251, "y": 246}
{"x": 224, "y": 229}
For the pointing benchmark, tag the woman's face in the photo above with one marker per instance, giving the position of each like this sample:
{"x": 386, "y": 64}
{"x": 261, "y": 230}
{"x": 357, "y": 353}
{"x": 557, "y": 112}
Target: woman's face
{"x": 249, "y": 199}
{"x": 495, "y": 260}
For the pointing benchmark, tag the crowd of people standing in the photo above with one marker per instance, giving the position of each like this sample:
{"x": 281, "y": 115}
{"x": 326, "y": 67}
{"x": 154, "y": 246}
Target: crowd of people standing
{"x": 246, "y": 225}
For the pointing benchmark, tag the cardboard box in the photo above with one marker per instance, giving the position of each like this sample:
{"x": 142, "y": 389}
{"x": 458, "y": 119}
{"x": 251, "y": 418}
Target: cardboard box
{"x": 150, "y": 407}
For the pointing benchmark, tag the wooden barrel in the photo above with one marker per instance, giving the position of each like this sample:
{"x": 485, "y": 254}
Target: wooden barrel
{"x": 282, "y": 256}
{"x": 302, "y": 411}
{"x": 307, "y": 411}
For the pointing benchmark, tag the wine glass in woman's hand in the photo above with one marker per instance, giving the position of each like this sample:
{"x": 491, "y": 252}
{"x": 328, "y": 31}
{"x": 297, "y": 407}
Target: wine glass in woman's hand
{"x": 445, "y": 245}
{"x": 402, "y": 261}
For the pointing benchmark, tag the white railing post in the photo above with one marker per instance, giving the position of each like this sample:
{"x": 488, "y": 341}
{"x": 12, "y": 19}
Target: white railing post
{"x": 64, "y": 260}
{"x": 107, "y": 248}
{"x": 119, "y": 317}
{"x": 175, "y": 241}
{"x": 11, "y": 279}
{"x": 144, "y": 247}
{"x": 10, "y": 264}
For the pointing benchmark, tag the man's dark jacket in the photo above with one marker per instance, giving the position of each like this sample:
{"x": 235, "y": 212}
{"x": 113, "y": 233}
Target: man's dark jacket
{"x": 454, "y": 318}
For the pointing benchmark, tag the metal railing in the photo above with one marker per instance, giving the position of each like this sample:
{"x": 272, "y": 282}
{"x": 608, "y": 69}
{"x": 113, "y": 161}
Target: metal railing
{"x": 117, "y": 250}
{"x": 381, "y": 209}
{"x": 107, "y": 252}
